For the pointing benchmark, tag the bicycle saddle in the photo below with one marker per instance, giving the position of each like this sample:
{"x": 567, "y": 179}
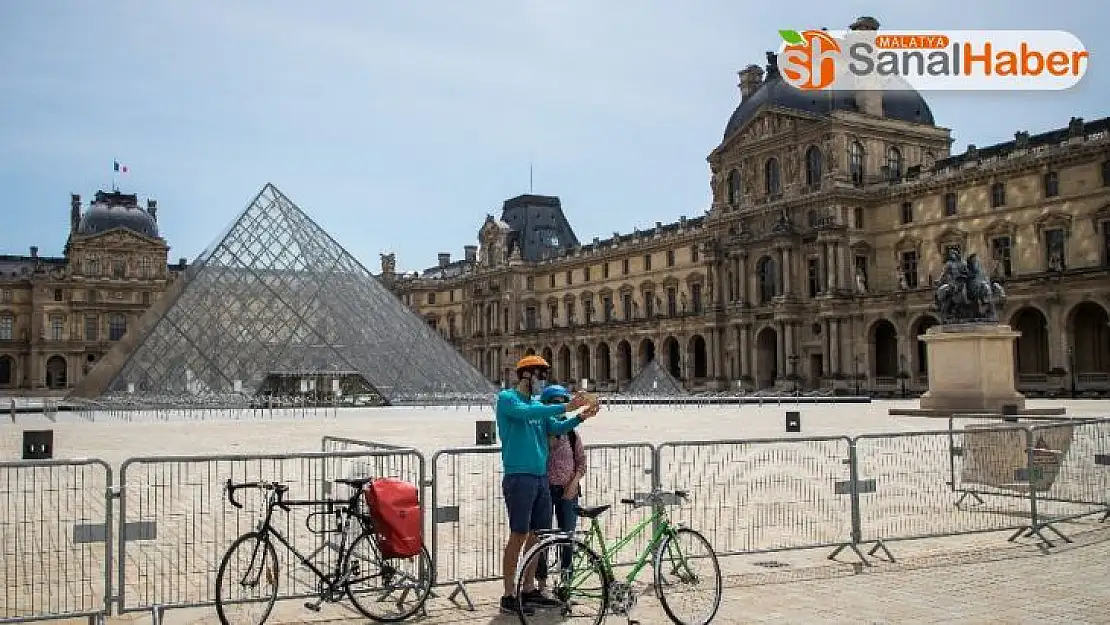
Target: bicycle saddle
{"x": 354, "y": 482}
{"x": 590, "y": 512}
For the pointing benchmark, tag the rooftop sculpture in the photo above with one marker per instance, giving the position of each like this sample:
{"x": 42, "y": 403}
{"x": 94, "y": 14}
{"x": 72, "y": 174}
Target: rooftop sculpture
{"x": 965, "y": 294}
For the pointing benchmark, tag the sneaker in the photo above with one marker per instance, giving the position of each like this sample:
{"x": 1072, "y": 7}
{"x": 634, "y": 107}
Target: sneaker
{"x": 509, "y": 605}
{"x": 537, "y": 598}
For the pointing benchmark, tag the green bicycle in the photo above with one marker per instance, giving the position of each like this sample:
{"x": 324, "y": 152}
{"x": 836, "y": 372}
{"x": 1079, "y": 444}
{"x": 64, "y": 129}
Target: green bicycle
{"x": 582, "y": 569}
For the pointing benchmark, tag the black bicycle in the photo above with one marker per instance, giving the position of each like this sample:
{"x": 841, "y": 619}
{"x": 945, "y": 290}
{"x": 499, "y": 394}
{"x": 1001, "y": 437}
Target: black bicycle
{"x": 248, "y": 576}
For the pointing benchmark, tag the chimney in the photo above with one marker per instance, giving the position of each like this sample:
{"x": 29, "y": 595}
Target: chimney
{"x": 152, "y": 208}
{"x": 34, "y": 251}
{"x": 182, "y": 264}
{"x": 470, "y": 253}
{"x": 869, "y": 97}
{"x": 74, "y": 211}
{"x": 444, "y": 259}
{"x": 751, "y": 79}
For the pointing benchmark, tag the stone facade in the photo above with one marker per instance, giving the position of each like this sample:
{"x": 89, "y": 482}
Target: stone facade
{"x": 60, "y": 315}
{"x": 814, "y": 265}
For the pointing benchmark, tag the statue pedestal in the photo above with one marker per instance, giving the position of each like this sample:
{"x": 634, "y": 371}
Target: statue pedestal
{"x": 971, "y": 370}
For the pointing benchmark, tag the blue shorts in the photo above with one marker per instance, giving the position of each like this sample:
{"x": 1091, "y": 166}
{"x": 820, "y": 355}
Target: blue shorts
{"x": 528, "y": 499}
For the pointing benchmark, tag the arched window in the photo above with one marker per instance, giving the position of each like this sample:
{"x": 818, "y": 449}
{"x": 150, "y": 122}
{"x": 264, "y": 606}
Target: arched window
{"x": 771, "y": 176}
{"x": 893, "y": 164}
{"x": 768, "y": 283}
{"x": 813, "y": 167}
{"x": 734, "y": 187}
{"x": 855, "y": 162}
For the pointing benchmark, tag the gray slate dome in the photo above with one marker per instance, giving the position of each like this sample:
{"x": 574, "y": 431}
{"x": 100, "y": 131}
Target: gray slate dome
{"x": 117, "y": 210}
{"x": 906, "y": 105}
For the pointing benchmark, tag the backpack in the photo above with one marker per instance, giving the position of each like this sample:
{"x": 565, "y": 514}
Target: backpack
{"x": 395, "y": 509}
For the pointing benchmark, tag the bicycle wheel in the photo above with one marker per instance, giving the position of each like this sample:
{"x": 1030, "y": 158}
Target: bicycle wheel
{"x": 250, "y": 571}
{"x": 582, "y": 590}
{"x": 387, "y": 590}
{"x": 686, "y": 564}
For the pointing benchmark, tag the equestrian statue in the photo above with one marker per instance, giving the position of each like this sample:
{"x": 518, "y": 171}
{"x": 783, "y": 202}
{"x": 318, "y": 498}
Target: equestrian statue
{"x": 965, "y": 294}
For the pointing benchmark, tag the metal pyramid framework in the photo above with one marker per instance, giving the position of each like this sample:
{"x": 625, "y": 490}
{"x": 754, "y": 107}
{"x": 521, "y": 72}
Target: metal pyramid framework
{"x": 653, "y": 379}
{"x": 277, "y": 296}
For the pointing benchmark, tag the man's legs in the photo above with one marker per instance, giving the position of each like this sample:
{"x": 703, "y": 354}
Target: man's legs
{"x": 541, "y": 569}
{"x": 541, "y": 519}
{"x": 520, "y": 492}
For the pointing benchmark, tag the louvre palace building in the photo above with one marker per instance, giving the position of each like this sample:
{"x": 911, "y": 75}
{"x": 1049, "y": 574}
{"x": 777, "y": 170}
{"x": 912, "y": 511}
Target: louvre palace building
{"x": 60, "y": 315}
{"x": 813, "y": 268}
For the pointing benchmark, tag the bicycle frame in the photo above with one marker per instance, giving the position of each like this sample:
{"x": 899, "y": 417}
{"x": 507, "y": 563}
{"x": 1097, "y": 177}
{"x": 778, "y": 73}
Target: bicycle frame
{"x": 594, "y": 534}
{"x": 267, "y": 529}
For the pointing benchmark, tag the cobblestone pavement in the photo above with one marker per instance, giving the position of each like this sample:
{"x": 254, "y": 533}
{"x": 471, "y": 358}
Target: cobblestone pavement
{"x": 1005, "y": 583}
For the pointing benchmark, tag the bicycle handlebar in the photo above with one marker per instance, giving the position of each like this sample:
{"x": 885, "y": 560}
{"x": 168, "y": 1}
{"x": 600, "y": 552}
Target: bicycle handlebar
{"x": 681, "y": 494}
{"x": 278, "y": 488}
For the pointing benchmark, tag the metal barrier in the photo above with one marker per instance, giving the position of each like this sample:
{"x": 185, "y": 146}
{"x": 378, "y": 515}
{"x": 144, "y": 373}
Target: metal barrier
{"x": 1069, "y": 470}
{"x": 747, "y": 496}
{"x": 55, "y": 540}
{"x": 175, "y": 523}
{"x": 469, "y": 522}
{"x": 762, "y": 495}
{"x": 907, "y": 484}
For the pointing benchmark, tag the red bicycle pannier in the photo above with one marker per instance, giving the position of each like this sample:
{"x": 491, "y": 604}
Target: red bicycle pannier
{"x": 395, "y": 508}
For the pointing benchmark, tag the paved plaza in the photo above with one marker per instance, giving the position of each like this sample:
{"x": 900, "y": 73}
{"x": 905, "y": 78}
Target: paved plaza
{"x": 746, "y": 497}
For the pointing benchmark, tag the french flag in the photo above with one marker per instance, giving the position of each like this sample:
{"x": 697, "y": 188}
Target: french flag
{"x": 119, "y": 168}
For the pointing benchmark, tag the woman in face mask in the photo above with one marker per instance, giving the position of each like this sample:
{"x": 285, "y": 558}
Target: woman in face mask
{"x": 566, "y": 466}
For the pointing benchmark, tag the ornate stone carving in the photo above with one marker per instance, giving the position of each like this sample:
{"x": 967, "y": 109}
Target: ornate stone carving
{"x": 749, "y": 173}
{"x": 790, "y": 164}
{"x": 832, "y": 162}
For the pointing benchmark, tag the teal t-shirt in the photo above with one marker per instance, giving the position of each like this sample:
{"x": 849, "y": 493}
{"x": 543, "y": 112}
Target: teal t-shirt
{"x": 523, "y": 426}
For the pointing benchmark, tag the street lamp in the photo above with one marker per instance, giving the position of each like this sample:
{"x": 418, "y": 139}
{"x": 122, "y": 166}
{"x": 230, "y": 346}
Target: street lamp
{"x": 794, "y": 371}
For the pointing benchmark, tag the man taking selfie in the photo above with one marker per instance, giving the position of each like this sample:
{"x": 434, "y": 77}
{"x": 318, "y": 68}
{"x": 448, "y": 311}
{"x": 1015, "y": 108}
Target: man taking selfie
{"x": 524, "y": 426}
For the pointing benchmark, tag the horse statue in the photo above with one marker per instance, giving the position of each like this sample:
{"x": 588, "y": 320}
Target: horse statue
{"x": 966, "y": 294}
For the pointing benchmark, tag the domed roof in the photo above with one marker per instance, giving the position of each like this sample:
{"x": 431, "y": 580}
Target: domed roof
{"x": 906, "y": 105}
{"x": 117, "y": 210}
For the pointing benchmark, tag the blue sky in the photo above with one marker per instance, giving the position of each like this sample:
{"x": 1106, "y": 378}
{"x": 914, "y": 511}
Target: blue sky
{"x": 399, "y": 125}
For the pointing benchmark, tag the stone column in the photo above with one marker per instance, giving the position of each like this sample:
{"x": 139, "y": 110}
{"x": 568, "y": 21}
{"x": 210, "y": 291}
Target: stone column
{"x": 844, "y": 267}
{"x": 781, "y": 352}
{"x": 742, "y": 348}
{"x": 789, "y": 343}
{"x": 824, "y": 267}
{"x": 787, "y": 270}
{"x": 832, "y": 270}
{"x": 834, "y": 347}
{"x": 742, "y": 271}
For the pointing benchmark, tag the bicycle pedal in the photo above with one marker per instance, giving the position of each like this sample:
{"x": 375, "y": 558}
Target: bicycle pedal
{"x": 312, "y": 606}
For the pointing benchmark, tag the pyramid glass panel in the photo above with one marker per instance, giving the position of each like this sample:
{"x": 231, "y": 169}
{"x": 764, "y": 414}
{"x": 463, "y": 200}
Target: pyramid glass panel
{"x": 276, "y": 296}
{"x": 653, "y": 379}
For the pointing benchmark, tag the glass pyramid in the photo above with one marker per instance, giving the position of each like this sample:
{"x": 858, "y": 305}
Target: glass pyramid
{"x": 277, "y": 296}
